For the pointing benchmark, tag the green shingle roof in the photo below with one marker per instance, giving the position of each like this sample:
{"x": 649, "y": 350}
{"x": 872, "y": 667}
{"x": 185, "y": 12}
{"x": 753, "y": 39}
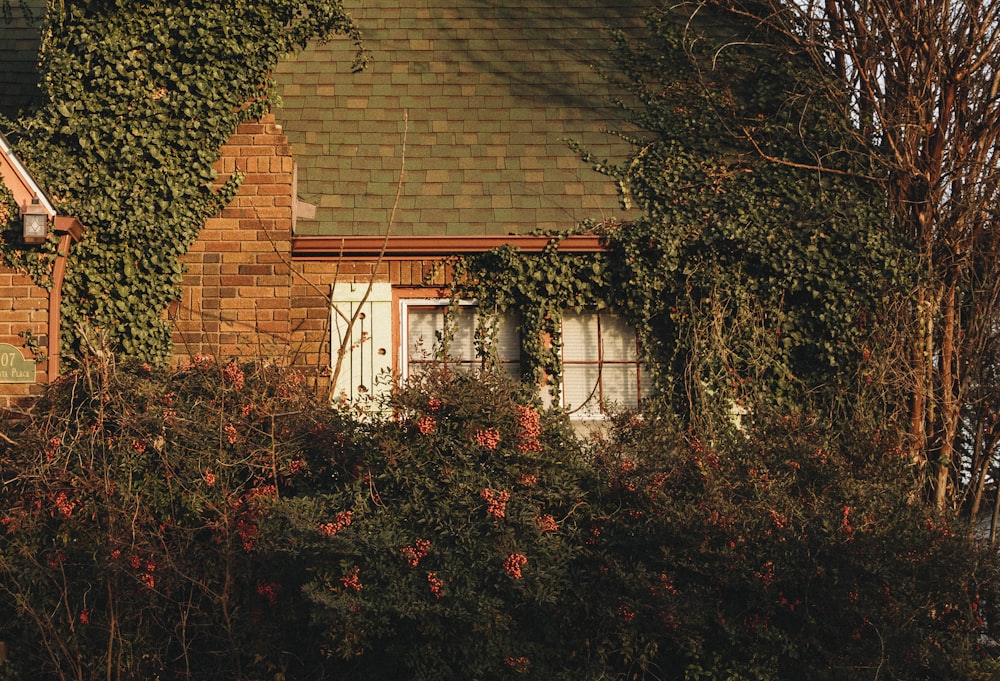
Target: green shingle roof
{"x": 19, "y": 42}
{"x": 492, "y": 91}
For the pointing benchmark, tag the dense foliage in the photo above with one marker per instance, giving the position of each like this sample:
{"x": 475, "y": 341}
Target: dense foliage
{"x": 793, "y": 260}
{"x": 217, "y": 522}
{"x": 742, "y": 274}
{"x": 140, "y": 99}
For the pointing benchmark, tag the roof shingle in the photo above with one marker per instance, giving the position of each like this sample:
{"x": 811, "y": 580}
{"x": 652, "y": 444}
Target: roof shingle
{"x": 19, "y": 43}
{"x": 492, "y": 94}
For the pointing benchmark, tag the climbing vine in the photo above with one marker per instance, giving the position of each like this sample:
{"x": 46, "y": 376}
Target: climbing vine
{"x": 139, "y": 98}
{"x": 35, "y": 261}
{"x": 743, "y": 273}
{"x": 535, "y": 289}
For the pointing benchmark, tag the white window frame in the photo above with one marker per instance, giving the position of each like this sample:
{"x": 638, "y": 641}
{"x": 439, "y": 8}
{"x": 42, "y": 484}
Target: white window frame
{"x": 443, "y": 304}
{"x": 599, "y": 396}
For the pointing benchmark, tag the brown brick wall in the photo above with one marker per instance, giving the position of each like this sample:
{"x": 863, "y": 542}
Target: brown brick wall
{"x": 237, "y": 286}
{"x": 23, "y": 307}
{"x": 242, "y": 294}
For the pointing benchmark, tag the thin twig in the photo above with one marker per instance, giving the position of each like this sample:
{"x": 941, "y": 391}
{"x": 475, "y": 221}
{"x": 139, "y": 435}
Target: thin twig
{"x": 345, "y": 342}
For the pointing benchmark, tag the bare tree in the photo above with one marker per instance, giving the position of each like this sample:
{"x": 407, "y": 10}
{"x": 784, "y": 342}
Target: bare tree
{"x": 919, "y": 81}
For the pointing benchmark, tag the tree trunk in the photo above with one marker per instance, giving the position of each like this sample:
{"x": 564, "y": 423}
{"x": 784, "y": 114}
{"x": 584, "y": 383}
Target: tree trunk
{"x": 949, "y": 400}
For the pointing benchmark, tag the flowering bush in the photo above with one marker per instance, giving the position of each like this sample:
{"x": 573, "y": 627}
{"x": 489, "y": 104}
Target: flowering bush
{"x": 218, "y": 522}
{"x": 462, "y": 557}
{"x": 130, "y": 520}
{"x": 788, "y": 554}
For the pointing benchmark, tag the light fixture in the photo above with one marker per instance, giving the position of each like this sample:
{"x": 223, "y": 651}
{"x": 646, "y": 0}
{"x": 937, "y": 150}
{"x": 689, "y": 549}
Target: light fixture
{"x": 36, "y": 223}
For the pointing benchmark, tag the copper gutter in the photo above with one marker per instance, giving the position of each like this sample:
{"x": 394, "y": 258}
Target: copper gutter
{"x": 419, "y": 247}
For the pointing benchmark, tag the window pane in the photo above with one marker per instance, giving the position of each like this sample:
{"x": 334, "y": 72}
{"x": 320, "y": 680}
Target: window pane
{"x": 620, "y": 383}
{"x": 581, "y": 393}
{"x": 600, "y": 363}
{"x": 579, "y": 337}
{"x": 508, "y": 340}
{"x": 618, "y": 338}
{"x": 462, "y": 345}
{"x": 645, "y": 382}
{"x": 423, "y": 328}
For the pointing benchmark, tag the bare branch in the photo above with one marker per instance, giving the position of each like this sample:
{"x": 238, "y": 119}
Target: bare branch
{"x": 345, "y": 342}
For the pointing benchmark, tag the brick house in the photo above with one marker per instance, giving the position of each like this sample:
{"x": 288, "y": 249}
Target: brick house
{"x": 484, "y": 97}
{"x": 29, "y": 314}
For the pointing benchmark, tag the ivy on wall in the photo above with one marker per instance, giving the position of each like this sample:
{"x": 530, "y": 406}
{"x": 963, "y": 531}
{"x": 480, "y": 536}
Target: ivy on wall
{"x": 140, "y": 98}
{"x": 36, "y": 261}
{"x": 753, "y": 261}
{"x": 535, "y": 289}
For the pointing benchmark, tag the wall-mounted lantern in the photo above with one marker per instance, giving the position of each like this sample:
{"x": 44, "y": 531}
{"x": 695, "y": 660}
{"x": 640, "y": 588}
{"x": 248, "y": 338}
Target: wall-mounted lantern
{"x": 36, "y": 222}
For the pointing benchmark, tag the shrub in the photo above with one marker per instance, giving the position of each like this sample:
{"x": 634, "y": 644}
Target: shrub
{"x": 131, "y": 509}
{"x": 216, "y": 521}
{"x": 456, "y": 551}
{"x": 787, "y": 554}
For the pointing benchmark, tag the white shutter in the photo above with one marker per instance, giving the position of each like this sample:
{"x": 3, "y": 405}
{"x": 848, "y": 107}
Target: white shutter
{"x": 366, "y": 367}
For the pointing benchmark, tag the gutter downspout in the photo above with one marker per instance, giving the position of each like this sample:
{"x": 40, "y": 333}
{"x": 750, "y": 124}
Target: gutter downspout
{"x": 69, "y": 229}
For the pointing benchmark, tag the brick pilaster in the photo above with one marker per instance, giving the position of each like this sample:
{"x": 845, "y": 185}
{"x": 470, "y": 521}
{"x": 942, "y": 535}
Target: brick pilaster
{"x": 24, "y": 307}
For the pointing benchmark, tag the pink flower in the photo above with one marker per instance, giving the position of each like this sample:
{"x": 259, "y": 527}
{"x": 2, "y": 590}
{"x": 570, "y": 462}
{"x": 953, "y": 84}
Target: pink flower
{"x": 488, "y": 438}
{"x": 234, "y": 375}
{"x": 529, "y": 422}
{"x": 845, "y": 524}
{"x": 209, "y": 477}
{"x": 433, "y": 404}
{"x": 435, "y": 584}
{"x": 351, "y": 581}
{"x": 514, "y": 563}
{"x": 342, "y": 520}
{"x": 50, "y": 451}
{"x": 527, "y": 480}
{"x": 84, "y": 616}
{"x": 202, "y": 360}
{"x": 547, "y": 523}
{"x": 231, "y": 433}
{"x": 261, "y": 492}
{"x": 426, "y": 425}
{"x": 268, "y": 590}
{"x": 414, "y": 554}
{"x": 64, "y": 505}
{"x": 496, "y": 502}
{"x": 248, "y": 532}
{"x": 518, "y": 664}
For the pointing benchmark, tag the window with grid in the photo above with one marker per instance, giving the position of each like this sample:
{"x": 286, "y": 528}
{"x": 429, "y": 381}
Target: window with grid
{"x": 429, "y": 338}
{"x": 600, "y": 363}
